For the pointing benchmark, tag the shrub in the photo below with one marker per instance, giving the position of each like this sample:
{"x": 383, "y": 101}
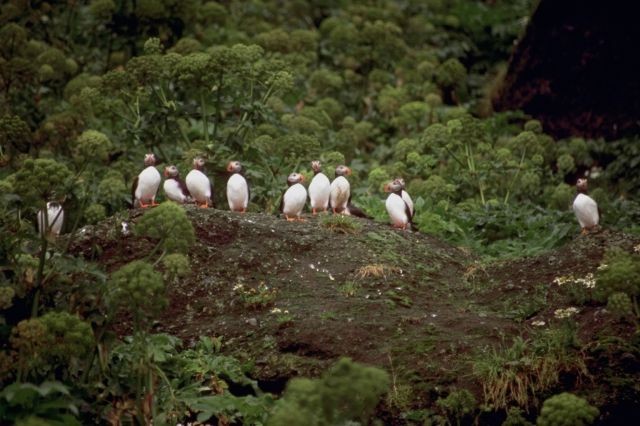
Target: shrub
{"x": 566, "y": 409}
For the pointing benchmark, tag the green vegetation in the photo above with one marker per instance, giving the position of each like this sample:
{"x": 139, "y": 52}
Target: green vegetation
{"x": 394, "y": 89}
{"x": 567, "y": 409}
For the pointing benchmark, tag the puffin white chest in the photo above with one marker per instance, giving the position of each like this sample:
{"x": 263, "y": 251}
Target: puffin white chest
{"x": 237, "y": 192}
{"x": 340, "y": 193}
{"x": 148, "y": 183}
{"x": 198, "y": 185}
{"x": 319, "y": 191}
{"x": 397, "y": 209}
{"x": 55, "y": 218}
{"x": 174, "y": 191}
{"x": 294, "y": 200}
{"x": 586, "y": 210}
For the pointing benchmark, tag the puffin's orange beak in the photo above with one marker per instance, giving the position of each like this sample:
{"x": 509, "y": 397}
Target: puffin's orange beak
{"x": 229, "y": 167}
{"x": 301, "y": 178}
{"x": 348, "y": 171}
{"x": 166, "y": 173}
{"x": 386, "y": 188}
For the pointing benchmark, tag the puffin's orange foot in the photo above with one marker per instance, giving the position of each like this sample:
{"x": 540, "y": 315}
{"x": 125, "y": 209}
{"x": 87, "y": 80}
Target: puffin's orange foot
{"x": 299, "y": 219}
{"x": 584, "y": 231}
{"x": 314, "y": 211}
{"x": 143, "y": 205}
{"x": 243, "y": 211}
{"x": 289, "y": 219}
{"x": 204, "y": 205}
{"x": 153, "y": 203}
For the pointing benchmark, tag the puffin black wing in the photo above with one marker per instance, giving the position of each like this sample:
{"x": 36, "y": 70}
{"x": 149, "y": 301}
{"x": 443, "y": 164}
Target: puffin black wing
{"x": 355, "y": 211}
{"x": 133, "y": 192}
{"x": 407, "y": 211}
{"x": 183, "y": 187}
{"x": 281, "y": 208}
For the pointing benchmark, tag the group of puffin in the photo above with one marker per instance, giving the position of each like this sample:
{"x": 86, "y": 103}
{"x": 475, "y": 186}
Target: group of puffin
{"x": 323, "y": 194}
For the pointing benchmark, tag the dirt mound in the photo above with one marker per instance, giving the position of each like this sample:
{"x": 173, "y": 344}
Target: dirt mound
{"x": 292, "y": 297}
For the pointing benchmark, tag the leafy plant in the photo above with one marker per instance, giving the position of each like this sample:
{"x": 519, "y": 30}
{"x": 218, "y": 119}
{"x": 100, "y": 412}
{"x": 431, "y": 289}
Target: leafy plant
{"x": 347, "y": 392}
{"x": 566, "y": 409}
{"x": 47, "y": 403}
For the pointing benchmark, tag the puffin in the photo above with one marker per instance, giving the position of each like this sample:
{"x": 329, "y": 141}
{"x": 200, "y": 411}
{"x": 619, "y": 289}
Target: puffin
{"x": 319, "y": 189}
{"x": 294, "y": 198}
{"x": 198, "y": 184}
{"x": 145, "y": 185}
{"x": 237, "y": 188}
{"x": 340, "y": 190}
{"x": 397, "y": 208}
{"x": 585, "y": 208}
{"x": 406, "y": 197}
{"x": 174, "y": 187}
{"x": 55, "y": 217}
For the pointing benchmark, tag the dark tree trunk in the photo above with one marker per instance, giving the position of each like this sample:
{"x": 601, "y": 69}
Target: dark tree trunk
{"x": 577, "y": 69}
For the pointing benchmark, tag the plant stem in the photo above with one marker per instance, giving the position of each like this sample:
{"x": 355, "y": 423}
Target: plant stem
{"x": 205, "y": 124}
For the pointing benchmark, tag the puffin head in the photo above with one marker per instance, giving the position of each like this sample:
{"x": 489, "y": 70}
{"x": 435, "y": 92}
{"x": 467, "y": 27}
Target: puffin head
{"x": 581, "y": 185}
{"x": 171, "y": 171}
{"x": 149, "y": 160}
{"x": 295, "y": 178}
{"x": 198, "y": 163}
{"x": 316, "y": 166}
{"x": 343, "y": 170}
{"x": 400, "y": 182}
{"x": 393, "y": 186}
{"x": 234, "y": 167}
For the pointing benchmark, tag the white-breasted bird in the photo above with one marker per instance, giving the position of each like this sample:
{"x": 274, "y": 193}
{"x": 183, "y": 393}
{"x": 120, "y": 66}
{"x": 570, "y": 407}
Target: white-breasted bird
{"x": 237, "y": 188}
{"x": 199, "y": 185}
{"x": 397, "y": 208}
{"x": 54, "y": 219}
{"x": 585, "y": 208}
{"x": 406, "y": 197}
{"x": 174, "y": 187}
{"x": 340, "y": 190}
{"x": 294, "y": 198}
{"x": 145, "y": 185}
{"x": 319, "y": 189}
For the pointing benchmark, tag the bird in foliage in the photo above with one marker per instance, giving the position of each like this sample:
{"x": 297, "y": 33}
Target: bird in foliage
{"x": 294, "y": 198}
{"x": 199, "y": 185}
{"x": 237, "y": 188}
{"x": 397, "y": 208}
{"x": 51, "y": 224}
{"x": 586, "y": 209}
{"x": 340, "y": 190}
{"x": 319, "y": 189}
{"x": 174, "y": 187}
{"x": 145, "y": 185}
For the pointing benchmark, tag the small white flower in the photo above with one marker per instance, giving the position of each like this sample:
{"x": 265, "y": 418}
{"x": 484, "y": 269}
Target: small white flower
{"x": 537, "y": 323}
{"x": 331, "y": 277}
{"x": 276, "y": 310}
{"x": 312, "y": 266}
{"x": 636, "y": 249}
{"x": 602, "y": 267}
{"x": 238, "y": 287}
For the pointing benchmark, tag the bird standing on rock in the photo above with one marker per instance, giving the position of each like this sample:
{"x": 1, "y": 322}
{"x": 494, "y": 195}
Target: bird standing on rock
{"x": 294, "y": 198}
{"x": 405, "y": 196}
{"x": 340, "y": 190}
{"x": 397, "y": 208}
{"x": 175, "y": 189}
{"x": 199, "y": 185}
{"x": 55, "y": 217}
{"x": 237, "y": 188}
{"x": 319, "y": 189}
{"x": 585, "y": 208}
{"x": 145, "y": 185}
